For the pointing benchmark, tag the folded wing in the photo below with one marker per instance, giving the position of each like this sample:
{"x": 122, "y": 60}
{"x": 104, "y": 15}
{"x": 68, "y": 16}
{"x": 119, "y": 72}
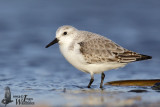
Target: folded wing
{"x": 101, "y": 49}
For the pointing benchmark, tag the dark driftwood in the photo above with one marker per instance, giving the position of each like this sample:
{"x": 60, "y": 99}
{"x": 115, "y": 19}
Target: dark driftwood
{"x": 134, "y": 82}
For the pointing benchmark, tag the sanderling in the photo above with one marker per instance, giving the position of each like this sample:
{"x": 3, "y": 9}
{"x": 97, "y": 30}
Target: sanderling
{"x": 92, "y": 53}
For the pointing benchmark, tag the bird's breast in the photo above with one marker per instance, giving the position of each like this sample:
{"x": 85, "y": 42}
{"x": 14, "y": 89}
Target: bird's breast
{"x": 73, "y": 56}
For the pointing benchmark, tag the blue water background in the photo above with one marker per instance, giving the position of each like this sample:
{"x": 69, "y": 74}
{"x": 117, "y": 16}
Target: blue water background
{"x": 27, "y": 26}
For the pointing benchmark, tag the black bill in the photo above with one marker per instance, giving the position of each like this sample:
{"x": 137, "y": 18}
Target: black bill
{"x": 52, "y": 43}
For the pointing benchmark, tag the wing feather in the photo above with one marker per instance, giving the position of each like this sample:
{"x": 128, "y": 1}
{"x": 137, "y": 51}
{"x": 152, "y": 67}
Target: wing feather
{"x": 100, "y": 49}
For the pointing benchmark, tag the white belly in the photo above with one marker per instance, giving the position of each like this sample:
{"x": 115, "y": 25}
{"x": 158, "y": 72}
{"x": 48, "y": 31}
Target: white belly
{"x": 76, "y": 59}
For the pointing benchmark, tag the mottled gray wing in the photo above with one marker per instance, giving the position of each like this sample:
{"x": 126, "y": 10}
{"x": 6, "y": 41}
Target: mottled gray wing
{"x": 101, "y": 49}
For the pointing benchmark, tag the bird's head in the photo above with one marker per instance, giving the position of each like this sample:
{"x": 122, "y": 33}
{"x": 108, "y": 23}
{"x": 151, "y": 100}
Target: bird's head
{"x": 64, "y": 34}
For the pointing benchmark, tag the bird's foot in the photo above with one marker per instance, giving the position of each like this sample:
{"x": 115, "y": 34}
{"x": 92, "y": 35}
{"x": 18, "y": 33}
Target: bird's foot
{"x": 101, "y": 86}
{"x": 88, "y": 86}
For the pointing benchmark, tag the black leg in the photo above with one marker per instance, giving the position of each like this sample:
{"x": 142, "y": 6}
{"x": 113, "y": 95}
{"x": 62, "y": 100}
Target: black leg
{"x": 102, "y": 78}
{"x": 91, "y": 81}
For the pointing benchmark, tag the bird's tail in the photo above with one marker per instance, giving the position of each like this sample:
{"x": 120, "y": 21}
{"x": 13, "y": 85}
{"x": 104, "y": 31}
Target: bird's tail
{"x": 129, "y": 56}
{"x": 143, "y": 57}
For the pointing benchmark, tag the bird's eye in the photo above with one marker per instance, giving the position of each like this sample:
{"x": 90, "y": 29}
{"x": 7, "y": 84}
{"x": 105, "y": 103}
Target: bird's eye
{"x": 65, "y": 33}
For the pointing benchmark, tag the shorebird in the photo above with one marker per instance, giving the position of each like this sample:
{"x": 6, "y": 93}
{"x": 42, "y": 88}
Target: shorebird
{"x": 92, "y": 53}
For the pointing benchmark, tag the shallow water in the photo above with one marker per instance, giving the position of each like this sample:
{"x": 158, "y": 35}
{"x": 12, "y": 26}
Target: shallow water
{"x": 26, "y": 27}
